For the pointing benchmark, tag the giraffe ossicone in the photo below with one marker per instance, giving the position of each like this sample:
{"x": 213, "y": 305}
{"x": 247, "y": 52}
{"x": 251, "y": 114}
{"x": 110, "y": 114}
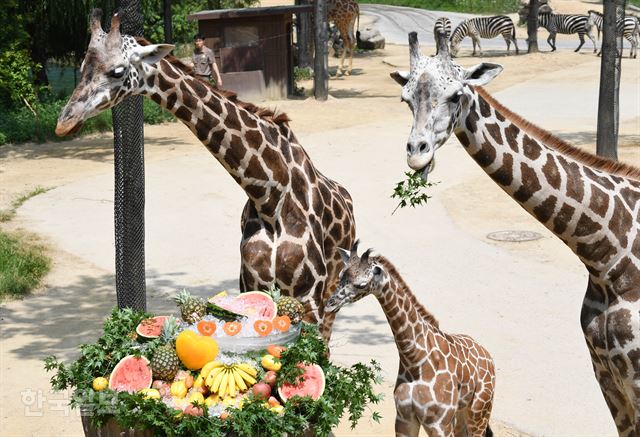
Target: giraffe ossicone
{"x": 295, "y": 217}
{"x": 591, "y": 203}
{"x": 445, "y": 383}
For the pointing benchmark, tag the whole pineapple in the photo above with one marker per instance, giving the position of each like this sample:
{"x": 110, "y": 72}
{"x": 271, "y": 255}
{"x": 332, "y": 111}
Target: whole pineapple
{"x": 165, "y": 362}
{"x": 287, "y": 306}
{"x": 192, "y": 308}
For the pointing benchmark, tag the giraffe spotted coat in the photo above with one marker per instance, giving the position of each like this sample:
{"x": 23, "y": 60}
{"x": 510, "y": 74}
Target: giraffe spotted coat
{"x": 295, "y": 217}
{"x": 592, "y": 204}
{"x": 445, "y": 382}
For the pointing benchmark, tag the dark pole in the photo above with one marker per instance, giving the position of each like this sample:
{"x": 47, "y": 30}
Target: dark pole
{"x": 304, "y": 36}
{"x": 321, "y": 67}
{"x": 168, "y": 31}
{"x": 532, "y": 26}
{"x": 608, "y": 105}
{"x": 128, "y": 118}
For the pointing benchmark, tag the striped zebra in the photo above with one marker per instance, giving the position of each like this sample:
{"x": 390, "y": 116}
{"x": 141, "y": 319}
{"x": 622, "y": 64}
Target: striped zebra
{"x": 628, "y": 28}
{"x": 563, "y": 23}
{"x": 441, "y": 26}
{"x": 484, "y": 27}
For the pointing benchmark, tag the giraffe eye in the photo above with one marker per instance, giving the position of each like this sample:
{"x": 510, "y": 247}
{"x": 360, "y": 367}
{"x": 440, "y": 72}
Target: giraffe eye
{"x": 377, "y": 271}
{"x": 455, "y": 98}
{"x": 117, "y": 72}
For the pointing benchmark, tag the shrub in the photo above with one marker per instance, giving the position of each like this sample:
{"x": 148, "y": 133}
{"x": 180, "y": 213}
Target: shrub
{"x": 22, "y": 265}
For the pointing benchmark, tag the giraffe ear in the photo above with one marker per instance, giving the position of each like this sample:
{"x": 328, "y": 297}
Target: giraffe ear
{"x": 344, "y": 254}
{"x": 402, "y": 77}
{"x": 150, "y": 54}
{"x": 481, "y": 74}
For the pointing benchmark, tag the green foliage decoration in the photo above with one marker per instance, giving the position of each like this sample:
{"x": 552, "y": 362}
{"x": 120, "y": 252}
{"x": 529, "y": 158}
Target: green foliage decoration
{"x": 348, "y": 390}
{"x": 411, "y": 191}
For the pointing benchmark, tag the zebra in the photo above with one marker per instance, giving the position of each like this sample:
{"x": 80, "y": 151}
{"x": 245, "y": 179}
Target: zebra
{"x": 628, "y": 28}
{"x": 443, "y": 26}
{"x": 561, "y": 23}
{"x": 484, "y": 27}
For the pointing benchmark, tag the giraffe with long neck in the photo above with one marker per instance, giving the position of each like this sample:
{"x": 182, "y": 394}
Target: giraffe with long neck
{"x": 346, "y": 16}
{"x": 445, "y": 382}
{"x": 592, "y": 204}
{"x": 295, "y": 217}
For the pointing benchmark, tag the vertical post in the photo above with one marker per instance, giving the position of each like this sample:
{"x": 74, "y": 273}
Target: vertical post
{"x": 532, "y": 26}
{"x": 167, "y": 21}
{"x": 304, "y": 36}
{"x": 608, "y": 103}
{"x": 128, "y": 119}
{"x": 321, "y": 62}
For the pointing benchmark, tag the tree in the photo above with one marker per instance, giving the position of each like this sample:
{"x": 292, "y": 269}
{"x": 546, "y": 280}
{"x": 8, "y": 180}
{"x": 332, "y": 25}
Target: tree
{"x": 532, "y": 26}
{"x": 610, "y": 68}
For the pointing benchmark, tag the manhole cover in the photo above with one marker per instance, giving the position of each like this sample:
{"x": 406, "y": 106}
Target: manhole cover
{"x": 514, "y": 236}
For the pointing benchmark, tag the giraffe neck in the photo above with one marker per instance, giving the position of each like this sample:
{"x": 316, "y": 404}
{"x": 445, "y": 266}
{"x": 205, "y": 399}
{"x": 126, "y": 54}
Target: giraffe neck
{"x": 413, "y": 327}
{"x": 579, "y": 203}
{"x": 254, "y": 150}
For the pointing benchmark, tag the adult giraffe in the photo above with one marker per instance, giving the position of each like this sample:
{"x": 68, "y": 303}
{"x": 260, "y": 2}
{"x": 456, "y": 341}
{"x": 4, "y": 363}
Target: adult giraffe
{"x": 295, "y": 217}
{"x": 590, "y": 203}
{"x": 345, "y": 14}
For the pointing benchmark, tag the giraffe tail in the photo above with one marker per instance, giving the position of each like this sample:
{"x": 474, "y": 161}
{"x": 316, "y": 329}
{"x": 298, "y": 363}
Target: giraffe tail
{"x": 488, "y": 432}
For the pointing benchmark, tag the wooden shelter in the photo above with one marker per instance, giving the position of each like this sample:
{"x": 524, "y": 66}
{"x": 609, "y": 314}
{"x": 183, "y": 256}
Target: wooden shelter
{"x": 253, "y": 48}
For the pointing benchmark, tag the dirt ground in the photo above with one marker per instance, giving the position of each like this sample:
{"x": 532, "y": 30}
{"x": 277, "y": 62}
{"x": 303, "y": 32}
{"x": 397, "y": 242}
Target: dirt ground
{"x": 368, "y": 97}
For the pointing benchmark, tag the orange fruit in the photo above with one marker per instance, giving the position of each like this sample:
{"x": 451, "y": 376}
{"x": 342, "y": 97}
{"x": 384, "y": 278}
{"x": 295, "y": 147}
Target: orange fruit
{"x": 206, "y": 327}
{"x": 232, "y": 328}
{"x": 282, "y": 323}
{"x": 275, "y": 350}
{"x": 263, "y": 327}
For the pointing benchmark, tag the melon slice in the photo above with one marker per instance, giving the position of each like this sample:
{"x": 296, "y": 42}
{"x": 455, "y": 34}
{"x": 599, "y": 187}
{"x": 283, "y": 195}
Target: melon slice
{"x": 253, "y": 304}
{"x": 131, "y": 374}
{"x": 151, "y": 328}
{"x": 311, "y": 383}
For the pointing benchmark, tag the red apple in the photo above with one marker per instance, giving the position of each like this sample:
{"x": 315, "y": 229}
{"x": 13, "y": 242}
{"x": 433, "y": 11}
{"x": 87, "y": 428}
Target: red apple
{"x": 270, "y": 378}
{"x": 193, "y": 411}
{"x": 262, "y": 390}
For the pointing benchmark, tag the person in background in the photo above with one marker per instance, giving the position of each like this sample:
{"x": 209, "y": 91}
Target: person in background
{"x": 204, "y": 61}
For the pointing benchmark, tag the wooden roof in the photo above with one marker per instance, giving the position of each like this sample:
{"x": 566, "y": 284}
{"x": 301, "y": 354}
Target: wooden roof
{"x": 249, "y": 12}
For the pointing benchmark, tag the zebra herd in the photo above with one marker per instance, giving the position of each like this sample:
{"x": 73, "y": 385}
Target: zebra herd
{"x": 491, "y": 27}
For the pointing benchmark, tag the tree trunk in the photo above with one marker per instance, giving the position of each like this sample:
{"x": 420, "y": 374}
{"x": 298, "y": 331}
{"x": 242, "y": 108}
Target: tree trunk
{"x": 128, "y": 139}
{"x": 321, "y": 70}
{"x": 168, "y": 31}
{"x": 608, "y": 102}
{"x": 304, "y": 36}
{"x": 532, "y": 26}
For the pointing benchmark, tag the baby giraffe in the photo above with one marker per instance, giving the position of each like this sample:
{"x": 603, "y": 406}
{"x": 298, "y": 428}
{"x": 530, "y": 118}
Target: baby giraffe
{"x": 445, "y": 382}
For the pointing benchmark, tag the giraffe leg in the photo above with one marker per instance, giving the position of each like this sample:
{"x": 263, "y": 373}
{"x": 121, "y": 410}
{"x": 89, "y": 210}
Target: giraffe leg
{"x": 407, "y": 424}
{"x": 353, "y": 42}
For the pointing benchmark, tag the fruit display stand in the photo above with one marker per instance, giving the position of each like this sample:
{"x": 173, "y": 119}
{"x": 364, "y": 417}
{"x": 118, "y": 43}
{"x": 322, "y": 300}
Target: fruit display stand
{"x": 236, "y": 365}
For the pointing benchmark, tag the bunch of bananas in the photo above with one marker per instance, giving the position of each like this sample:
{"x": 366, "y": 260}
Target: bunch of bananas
{"x": 226, "y": 379}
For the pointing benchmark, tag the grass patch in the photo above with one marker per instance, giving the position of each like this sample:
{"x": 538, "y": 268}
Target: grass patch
{"x": 8, "y": 214}
{"x": 23, "y": 265}
{"x": 470, "y": 6}
{"x": 22, "y": 125}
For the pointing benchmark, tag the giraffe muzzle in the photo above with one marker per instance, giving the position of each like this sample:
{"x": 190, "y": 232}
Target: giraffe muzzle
{"x": 68, "y": 127}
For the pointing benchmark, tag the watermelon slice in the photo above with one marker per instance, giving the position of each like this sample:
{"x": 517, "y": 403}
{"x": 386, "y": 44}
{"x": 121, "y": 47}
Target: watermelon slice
{"x": 311, "y": 383}
{"x": 131, "y": 374}
{"x": 151, "y": 328}
{"x": 253, "y": 304}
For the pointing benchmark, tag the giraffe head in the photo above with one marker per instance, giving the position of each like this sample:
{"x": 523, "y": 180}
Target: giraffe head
{"x": 362, "y": 275}
{"x": 438, "y": 93}
{"x": 114, "y": 67}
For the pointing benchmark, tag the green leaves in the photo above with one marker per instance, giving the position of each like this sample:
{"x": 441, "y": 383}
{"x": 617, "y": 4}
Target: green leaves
{"x": 348, "y": 390}
{"x": 411, "y": 191}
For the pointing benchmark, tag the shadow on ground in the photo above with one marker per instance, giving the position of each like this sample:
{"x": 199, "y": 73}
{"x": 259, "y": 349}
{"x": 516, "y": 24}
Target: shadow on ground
{"x": 63, "y": 318}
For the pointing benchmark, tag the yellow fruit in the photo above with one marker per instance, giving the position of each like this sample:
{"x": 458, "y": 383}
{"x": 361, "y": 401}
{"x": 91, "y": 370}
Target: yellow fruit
{"x": 194, "y": 350}
{"x": 179, "y": 389}
{"x": 211, "y": 400}
{"x": 229, "y": 402}
{"x": 196, "y": 397}
{"x": 208, "y": 367}
{"x": 150, "y": 393}
{"x": 277, "y": 409}
{"x": 269, "y": 362}
{"x": 100, "y": 383}
{"x": 213, "y": 376}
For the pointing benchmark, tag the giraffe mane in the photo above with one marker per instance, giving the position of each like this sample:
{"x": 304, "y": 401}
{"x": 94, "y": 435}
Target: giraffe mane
{"x": 275, "y": 117}
{"x": 391, "y": 269}
{"x": 589, "y": 159}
